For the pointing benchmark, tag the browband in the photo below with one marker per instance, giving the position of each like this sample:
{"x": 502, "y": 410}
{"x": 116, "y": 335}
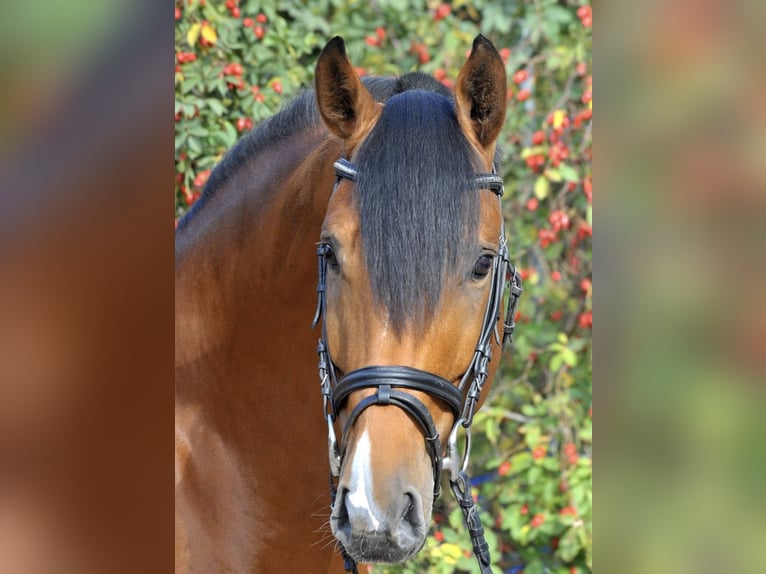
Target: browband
{"x": 491, "y": 181}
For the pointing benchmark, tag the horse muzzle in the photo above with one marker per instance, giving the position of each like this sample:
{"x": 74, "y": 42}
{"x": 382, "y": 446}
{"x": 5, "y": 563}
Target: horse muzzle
{"x": 371, "y": 534}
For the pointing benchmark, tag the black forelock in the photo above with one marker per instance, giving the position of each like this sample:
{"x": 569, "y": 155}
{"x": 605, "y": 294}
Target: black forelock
{"x": 416, "y": 202}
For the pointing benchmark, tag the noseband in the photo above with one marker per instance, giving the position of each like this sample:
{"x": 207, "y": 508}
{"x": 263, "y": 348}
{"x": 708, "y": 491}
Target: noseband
{"x": 391, "y": 383}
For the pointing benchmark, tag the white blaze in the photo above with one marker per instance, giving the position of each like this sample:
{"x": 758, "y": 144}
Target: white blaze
{"x": 360, "y": 483}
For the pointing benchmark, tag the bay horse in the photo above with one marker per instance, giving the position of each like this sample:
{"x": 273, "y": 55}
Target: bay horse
{"x": 381, "y": 175}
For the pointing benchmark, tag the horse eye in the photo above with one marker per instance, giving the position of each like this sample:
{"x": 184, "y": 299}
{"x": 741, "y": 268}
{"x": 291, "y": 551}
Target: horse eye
{"x": 483, "y": 266}
{"x": 329, "y": 256}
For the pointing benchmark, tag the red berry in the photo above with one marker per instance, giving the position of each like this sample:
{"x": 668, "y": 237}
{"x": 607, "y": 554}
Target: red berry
{"x": 586, "y": 286}
{"x": 546, "y": 237}
{"x": 520, "y": 76}
{"x": 570, "y": 449}
{"x": 587, "y": 187}
{"x": 277, "y": 87}
{"x": 557, "y": 315}
{"x": 372, "y": 41}
{"x": 532, "y": 203}
{"x": 558, "y": 220}
{"x": 259, "y": 32}
{"x": 178, "y": 13}
{"x": 261, "y": 18}
{"x": 523, "y": 95}
{"x": 439, "y": 536}
{"x": 538, "y": 137}
{"x": 241, "y": 124}
{"x": 201, "y": 178}
{"x": 230, "y": 4}
{"x": 585, "y": 320}
{"x": 580, "y": 69}
{"x": 504, "y": 468}
{"x": 440, "y": 74}
{"x": 568, "y": 511}
{"x": 582, "y": 117}
{"x": 247, "y": 22}
{"x": 381, "y": 33}
{"x": 442, "y": 12}
{"x": 234, "y": 69}
{"x": 423, "y": 55}
{"x": 555, "y": 276}
{"x": 236, "y": 12}
{"x": 572, "y": 460}
{"x": 524, "y": 510}
{"x": 537, "y": 520}
{"x": 191, "y": 198}
{"x": 538, "y": 452}
{"x": 535, "y": 162}
{"x": 584, "y": 12}
{"x": 505, "y": 53}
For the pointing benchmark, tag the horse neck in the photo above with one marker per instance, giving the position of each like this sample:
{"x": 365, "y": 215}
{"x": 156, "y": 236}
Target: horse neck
{"x": 246, "y": 273}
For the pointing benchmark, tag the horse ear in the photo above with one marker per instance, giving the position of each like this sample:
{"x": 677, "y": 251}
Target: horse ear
{"x": 344, "y": 103}
{"x": 480, "y": 94}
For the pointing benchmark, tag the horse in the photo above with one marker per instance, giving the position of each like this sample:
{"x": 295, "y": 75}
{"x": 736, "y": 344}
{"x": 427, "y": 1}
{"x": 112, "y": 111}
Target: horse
{"x": 373, "y": 206}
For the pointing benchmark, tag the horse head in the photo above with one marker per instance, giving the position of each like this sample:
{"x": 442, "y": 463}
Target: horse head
{"x": 412, "y": 252}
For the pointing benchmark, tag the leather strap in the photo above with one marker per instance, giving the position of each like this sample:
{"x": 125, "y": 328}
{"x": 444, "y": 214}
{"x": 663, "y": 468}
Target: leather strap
{"x": 398, "y": 377}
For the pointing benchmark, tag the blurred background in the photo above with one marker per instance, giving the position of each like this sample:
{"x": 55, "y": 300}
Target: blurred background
{"x": 86, "y": 268}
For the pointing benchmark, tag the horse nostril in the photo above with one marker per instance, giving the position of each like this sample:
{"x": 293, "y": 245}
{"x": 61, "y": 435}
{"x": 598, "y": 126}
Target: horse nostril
{"x": 340, "y": 515}
{"x": 412, "y": 515}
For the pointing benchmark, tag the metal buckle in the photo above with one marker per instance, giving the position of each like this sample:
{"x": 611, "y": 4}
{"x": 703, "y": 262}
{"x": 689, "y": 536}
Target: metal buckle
{"x": 450, "y": 461}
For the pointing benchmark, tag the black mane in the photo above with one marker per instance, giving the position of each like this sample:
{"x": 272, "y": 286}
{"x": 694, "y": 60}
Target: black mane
{"x": 417, "y": 205}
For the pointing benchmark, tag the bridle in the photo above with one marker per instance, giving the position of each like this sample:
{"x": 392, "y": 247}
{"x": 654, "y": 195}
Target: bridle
{"x": 392, "y": 382}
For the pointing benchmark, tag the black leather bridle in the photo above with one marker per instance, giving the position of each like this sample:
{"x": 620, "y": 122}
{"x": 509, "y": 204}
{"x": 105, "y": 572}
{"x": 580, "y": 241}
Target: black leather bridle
{"x": 392, "y": 382}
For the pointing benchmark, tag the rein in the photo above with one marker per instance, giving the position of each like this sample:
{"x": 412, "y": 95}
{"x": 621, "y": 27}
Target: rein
{"x": 392, "y": 382}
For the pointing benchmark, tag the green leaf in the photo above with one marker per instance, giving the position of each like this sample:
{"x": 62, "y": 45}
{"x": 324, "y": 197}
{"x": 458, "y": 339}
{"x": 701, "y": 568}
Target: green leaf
{"x": 553, "y": 174}
{"x": 528, "y": 410}
{"x": 216, "y": 107}
{"x": 542, "y": 187}
{"x": 194, "y": 145}
{"x": 533, "y": 435}
{"x": 569, "y": 173}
